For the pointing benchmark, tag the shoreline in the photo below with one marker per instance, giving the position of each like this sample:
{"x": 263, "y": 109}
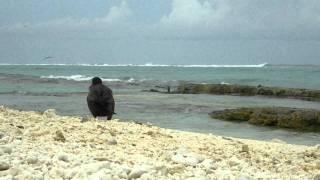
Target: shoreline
{"x": 44, "y": 145}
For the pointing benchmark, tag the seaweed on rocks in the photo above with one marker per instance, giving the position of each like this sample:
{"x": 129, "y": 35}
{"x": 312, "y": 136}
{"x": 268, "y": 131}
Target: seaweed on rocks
{"x": 245, "y": 90}
{"x": 284, "y": 117}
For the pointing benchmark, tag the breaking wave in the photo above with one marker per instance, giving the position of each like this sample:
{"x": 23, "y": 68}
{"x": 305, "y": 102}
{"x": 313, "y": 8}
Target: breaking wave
{"x": 227, "y": 66}
{"x": 147, "y": 65}
{"x": 81, "y": 78}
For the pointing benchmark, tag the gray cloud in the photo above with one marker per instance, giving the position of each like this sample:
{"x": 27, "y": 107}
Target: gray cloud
{"x": 246, "y": 18}
{"x": 115, "y": 16}
{"x": 208, "y": 18}
{"x": 191, "y": 32}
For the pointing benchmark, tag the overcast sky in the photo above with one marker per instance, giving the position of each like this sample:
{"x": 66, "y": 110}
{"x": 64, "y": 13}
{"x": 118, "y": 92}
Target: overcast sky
{"x": 160, "y": 31}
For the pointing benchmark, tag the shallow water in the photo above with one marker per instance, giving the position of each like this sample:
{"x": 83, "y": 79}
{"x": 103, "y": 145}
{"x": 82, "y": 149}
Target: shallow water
{"x": 183, "y": 112}
{"x": 64, "y": 88}
{"x": 270, "y": 75}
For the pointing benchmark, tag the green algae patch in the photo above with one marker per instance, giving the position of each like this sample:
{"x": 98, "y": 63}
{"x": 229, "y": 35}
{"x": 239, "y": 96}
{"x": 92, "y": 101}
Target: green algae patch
{"x": 292, "y": 118}
{"x": 244, "y": 90}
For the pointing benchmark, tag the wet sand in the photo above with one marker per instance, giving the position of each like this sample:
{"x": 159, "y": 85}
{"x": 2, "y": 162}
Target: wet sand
{"x": 44, "y": 145}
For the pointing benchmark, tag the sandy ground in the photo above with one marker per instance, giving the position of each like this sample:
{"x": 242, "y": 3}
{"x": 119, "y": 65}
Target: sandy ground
{"x": 37, "y": 145}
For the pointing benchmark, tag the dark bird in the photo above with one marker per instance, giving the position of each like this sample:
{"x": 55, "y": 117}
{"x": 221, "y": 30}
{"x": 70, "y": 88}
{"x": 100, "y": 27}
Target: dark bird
{"x": 100, "y": 99}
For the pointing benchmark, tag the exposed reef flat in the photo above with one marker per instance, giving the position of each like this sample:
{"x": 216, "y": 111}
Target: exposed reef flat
{"x": 293, "y": 118}
{"x": 243, "y": 90}
{"x": 47, "y": 146}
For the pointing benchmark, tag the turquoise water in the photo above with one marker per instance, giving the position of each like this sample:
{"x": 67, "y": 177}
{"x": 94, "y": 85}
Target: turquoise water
{"x": 270, "y": 75}
{"x": 31, "y": 87}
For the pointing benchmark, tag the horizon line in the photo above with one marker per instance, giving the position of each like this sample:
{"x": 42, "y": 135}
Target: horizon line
{"x": 154, "y": 65}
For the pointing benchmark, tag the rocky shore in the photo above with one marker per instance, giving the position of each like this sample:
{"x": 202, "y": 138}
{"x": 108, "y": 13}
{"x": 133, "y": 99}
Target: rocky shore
{"x": 47, "y": 146}
{"x": 284, "y": 117}
{"x": 243, "y": 90}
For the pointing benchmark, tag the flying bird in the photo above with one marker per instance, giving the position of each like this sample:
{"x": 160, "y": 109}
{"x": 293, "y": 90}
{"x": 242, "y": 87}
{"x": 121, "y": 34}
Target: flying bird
{"x": 47, "y": 57}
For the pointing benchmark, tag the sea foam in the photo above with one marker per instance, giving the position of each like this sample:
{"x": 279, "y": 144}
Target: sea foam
{"x": 80, "y": 78}
{"x": 148, "y": 65}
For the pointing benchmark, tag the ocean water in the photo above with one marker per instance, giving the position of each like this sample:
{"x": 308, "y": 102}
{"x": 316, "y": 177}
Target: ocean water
{"x": 64, "y": 87}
